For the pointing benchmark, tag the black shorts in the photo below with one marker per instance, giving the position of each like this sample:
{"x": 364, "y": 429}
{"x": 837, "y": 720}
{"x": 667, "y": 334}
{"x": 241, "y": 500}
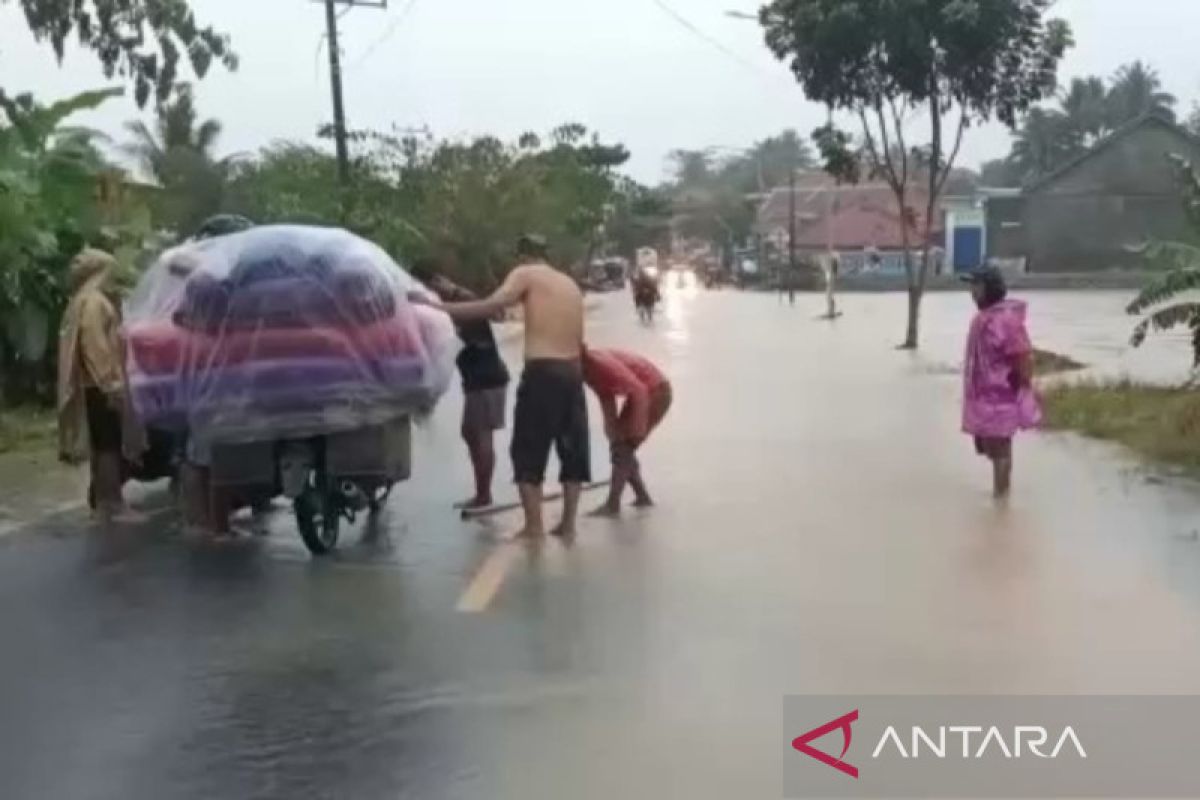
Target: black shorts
{"x": 551, "y": 410}
{"x": 994, "y": 447}
{"x": 103, "y": 421}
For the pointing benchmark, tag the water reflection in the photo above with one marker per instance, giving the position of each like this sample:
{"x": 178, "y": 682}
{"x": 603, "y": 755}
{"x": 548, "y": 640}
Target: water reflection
{"x": 680, "y": 289}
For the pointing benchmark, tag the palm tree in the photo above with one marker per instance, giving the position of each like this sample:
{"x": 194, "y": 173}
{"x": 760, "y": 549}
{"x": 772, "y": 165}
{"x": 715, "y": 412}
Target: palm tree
{"x": 776, "y": 156}
{"x": 1085, "y": 105}
{"x": 1136, "y": 90}
{"x": 1045, "y": 142}
{"x": 179, "y": 155}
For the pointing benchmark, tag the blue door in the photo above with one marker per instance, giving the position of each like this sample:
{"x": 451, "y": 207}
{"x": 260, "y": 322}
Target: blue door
{"x": 968, "y": 248}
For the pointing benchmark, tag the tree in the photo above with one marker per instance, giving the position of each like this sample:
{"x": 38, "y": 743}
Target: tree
{"x": 1085, "y": 105}
{"x": 48, "y": 178}
{"x": 767, "y": 163}
{"x": 691, "y": 167}
{"x": 179, "y": 155}
{"x": 1136, "y": 90}
{"x": 1045, "y": 142}
{"x": 1088, "y": 110}
{"x": 142, "y": 40}
{"x": 1193, "y": 121}
{"x": 50, "y": 174}
{"x": 1000, "y": 172}
{"x": 1169, "y": 300}
{"x": 466, "y": 201}
{"x": 641, "y": 218}
{"x": 880, "y": 60}
{"x": 283, "y": 185}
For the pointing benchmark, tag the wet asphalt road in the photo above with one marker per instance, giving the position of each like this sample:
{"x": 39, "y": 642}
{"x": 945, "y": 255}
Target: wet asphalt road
{"x": 822, "y": 528}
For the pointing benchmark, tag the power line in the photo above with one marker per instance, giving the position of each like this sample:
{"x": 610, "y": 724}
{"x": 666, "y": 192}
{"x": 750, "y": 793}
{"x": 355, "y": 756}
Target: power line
{"x": 317, "y": 57}
{"x": 695, "y": 31}
{"x": 385, "y": 36}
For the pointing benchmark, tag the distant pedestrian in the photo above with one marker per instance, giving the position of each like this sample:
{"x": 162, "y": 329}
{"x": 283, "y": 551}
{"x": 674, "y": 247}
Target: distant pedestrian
{"x": 614, "y": 374}
{"x": 484, "y": 379}
{"x": 998, "y": 396}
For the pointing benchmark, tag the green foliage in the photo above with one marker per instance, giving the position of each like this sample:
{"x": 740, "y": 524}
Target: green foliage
{"x": 47, "y": 186}
{"x": 51, "y": 177}
{"x": 142, "y": 40}
{"x": 465, "y": 201}
{"x": 837, "y": 153}
{"x": 1160, "y": 422}
{"x": 27, "y": 428}
{"x": 1090, "y": 109}
{"x": 287, "y": 182}
{"x": 994, "y": 58}
{"x": 1165, "y": 301}
{"x": 1136, "y": 90}
{"x": 641, "y": 218}
{"x": 1045, "y": 141}
{"x": 715, "y": 196}
{"x": 179, "y": 155}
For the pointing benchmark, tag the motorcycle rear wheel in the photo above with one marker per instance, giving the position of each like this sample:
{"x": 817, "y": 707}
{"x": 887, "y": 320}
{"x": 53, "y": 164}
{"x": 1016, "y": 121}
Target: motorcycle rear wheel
{"x": 318, "y": 518}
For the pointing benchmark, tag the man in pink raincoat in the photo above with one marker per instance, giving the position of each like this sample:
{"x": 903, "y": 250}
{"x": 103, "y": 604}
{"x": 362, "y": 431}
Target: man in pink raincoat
{"x": 998, "y": 396}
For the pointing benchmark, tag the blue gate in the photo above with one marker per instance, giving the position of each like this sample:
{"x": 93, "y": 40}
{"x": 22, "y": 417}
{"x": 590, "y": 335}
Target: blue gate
{"x": 968, "y": 248}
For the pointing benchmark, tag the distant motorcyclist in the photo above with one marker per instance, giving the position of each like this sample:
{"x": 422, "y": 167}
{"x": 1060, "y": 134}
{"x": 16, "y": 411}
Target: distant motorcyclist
{"x": 646, "y": 294}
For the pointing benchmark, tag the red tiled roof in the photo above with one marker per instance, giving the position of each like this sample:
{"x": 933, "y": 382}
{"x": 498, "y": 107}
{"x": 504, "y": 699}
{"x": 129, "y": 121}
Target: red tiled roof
{"x": 849, "y": 217}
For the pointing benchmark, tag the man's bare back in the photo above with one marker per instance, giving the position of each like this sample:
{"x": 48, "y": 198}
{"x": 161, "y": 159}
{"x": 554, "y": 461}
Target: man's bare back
{"x": 553, "y": 308}
{"x": 551, "y": 411}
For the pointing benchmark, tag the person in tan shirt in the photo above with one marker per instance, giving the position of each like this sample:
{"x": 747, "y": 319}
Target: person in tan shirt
{"x": 95, "y": 419}
{"x": 551, "y": 409}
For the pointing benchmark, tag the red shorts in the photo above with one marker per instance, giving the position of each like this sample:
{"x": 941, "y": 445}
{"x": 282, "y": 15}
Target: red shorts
{"x": 660, "y": 403}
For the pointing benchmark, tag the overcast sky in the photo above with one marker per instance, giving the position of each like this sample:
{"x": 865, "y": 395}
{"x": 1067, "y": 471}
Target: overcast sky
{"x": 625, "y": 68}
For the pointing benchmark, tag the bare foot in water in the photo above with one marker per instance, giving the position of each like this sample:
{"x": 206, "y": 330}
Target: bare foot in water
{"x": 564, "y": 532}
{"x": 607, "y": 510}
{"x": 531, "y": 535}
{"x": 122, "y": 516}
{"x": 474, "y": 504}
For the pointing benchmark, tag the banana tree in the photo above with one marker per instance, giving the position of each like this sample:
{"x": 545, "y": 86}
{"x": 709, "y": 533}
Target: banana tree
{"x": 47, "y": 210}
{"x": 1172, "y": 298}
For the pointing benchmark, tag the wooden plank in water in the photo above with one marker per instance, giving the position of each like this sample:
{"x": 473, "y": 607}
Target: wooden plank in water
{"x": 500, "y": 508}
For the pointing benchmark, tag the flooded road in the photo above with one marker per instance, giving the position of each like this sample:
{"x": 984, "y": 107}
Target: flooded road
{"x": 823, "y": 527}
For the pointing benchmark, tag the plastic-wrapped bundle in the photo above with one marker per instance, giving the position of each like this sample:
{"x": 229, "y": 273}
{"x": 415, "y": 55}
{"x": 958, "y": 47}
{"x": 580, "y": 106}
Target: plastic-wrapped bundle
{"x": 280, "y": 332}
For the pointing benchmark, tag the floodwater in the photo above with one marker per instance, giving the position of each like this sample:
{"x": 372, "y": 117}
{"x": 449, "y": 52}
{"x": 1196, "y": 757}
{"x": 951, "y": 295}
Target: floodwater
{"x": 822, "y": 528}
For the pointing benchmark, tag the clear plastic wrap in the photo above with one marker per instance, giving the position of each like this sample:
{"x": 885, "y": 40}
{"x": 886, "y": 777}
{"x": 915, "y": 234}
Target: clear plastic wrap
{"x": 282, "y": 332}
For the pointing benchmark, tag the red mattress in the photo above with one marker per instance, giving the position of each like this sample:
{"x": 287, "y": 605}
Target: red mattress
{"x": 161, "y": 348}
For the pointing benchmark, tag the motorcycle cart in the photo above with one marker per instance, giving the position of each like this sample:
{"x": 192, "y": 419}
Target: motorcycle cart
{"x": 329, "y": 477}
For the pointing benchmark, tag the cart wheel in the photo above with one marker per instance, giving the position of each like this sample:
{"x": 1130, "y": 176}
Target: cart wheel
{"x": 318, "y": 520}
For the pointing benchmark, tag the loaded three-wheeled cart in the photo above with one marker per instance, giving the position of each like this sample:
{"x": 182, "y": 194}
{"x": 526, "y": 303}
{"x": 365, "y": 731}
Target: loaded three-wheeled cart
{"x": 294, "y": 362}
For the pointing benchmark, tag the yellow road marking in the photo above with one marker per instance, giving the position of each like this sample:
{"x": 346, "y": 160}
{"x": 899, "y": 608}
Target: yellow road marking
{"x": 487, "y": 581}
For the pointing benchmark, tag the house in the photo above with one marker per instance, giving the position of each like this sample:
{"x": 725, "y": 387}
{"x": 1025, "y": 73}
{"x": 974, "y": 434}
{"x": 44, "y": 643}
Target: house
{"x": 862, "y": 223}
{"x": 1095, "y": 212}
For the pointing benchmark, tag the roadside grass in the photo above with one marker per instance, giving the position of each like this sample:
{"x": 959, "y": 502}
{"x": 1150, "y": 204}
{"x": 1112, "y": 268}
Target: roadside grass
{"x": 1160, "y": 423}
{"x": 27, "y": 428}
{"x": 1047, "y": 363}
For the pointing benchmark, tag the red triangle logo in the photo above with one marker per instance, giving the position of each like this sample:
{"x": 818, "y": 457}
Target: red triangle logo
{"x": 801, "y": 743}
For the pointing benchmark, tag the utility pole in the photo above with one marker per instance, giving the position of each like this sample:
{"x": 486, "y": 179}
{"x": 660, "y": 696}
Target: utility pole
{"x": 791, "y": 280}
{"x": 335, "y": 78}
{"x": 339, "y": 109}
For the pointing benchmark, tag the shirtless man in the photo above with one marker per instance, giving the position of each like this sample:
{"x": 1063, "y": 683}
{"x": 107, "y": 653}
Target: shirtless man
{"x": 551, "y": 407}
